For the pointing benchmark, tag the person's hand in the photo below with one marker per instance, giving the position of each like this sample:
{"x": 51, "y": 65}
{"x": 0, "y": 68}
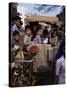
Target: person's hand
{"x": 12, "y": 65}
{"x": 15, "y": 48}
{"x": 30, "y": 42}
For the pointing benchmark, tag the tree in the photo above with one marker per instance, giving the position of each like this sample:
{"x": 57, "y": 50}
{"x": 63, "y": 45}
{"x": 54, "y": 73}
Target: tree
{"x": 61, "y": 16}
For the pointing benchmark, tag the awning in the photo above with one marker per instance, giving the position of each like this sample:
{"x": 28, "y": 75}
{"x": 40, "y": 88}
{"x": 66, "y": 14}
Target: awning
{"x": 51, "y": 20}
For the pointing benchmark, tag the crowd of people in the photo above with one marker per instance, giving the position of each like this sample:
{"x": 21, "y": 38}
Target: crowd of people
{"x": 22, "y": 38}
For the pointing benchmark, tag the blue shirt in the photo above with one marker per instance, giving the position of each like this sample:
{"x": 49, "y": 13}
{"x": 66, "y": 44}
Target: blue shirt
{"x": 27, "y": 38}
{"x": 38, "y": 39}
{"x": 14, "y": 28}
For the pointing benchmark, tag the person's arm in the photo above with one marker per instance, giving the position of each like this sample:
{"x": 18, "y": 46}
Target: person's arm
{"x": 26, "y": 42}
{"x": 20, "y": 55}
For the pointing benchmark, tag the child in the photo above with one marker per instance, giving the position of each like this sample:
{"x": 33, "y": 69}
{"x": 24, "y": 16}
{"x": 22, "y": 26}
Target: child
{"x": 16, "y": 25}
{"x": 15, "y": 38}
{"x": 38, "y": 36}
{"x": 27, "y": 39}
{"x": 54, "y": 39}
{"x": 28, "y": 35}
{"x": 16, "y": 47}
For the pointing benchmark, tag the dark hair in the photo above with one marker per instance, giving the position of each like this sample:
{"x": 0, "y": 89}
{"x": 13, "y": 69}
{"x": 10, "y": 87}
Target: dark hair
{"x": 45, "y": 33}
{"x": 34, "y": 32}
{"x": 28, "y": 27}
{"x": 38, "y": 27}
{"x": 52, "y": 34}
{"x": 21, "y": 23}
{"x": 15, "y": 33}
{"x": 17, "y": 18}
{"x": 60, "y": 28}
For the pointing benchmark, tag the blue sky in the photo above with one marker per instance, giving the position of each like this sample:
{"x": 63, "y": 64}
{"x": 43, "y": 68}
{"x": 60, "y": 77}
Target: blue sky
{"x": 30, "y": 9}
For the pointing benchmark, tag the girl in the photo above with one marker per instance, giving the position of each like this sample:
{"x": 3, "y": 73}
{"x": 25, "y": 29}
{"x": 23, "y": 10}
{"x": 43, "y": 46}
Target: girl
{"x": 38, "y": 37}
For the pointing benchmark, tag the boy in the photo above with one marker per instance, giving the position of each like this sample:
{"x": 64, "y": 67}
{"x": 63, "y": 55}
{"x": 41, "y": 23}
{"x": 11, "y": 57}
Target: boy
{"x": 28, "y": 35}
{"x": 16, "y": 46}
{"x": 27, "y": 39}
{"x": 16, "y": 25}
